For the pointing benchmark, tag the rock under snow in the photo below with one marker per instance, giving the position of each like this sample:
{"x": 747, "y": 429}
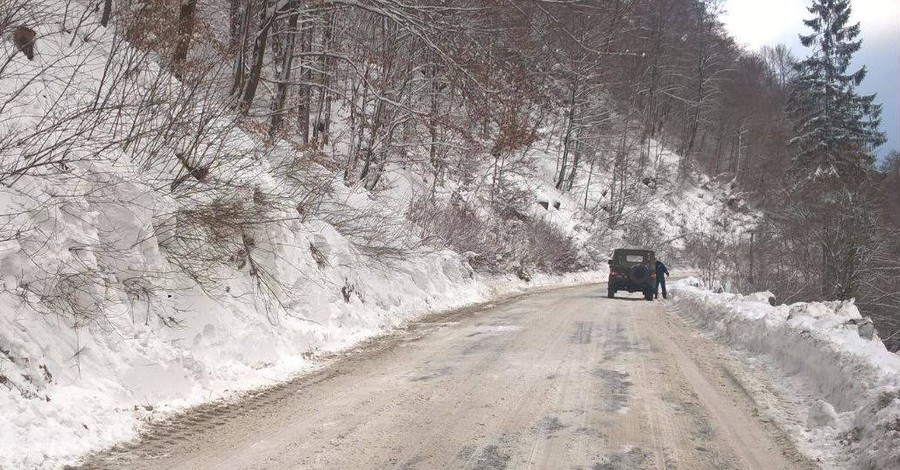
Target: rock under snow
{"x": 821, "y": 414}
{"x": 866, "y": 328}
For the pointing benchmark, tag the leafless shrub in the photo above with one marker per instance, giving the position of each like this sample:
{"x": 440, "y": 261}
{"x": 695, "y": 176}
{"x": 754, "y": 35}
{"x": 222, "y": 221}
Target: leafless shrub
{"x": 307, "y": 181}
{"x": 549, "y": 249}
{"x": 709, "y": 254}
{"x": 458, "y": 226}
{"x": 496, "y": 242}
{"x": 15, "y": 13}
{"x": 374, "y": 231}
{"x": 213, "y": 234}
{"x": 78, "y": 297}
{"x": 642, "y": 230}
{"x": 150, "y": 25}
{"x": 208, "y": 241}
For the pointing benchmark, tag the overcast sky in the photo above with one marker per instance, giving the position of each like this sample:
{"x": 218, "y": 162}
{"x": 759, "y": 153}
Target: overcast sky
{"x": 755, "y": 23}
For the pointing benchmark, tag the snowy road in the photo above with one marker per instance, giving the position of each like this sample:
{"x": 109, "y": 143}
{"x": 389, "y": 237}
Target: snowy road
{"x": 563, "y": 379}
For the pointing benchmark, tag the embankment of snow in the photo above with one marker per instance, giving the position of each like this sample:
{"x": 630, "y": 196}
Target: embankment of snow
{"x": 71, "y": 389}
{"x": 825, "y": 344}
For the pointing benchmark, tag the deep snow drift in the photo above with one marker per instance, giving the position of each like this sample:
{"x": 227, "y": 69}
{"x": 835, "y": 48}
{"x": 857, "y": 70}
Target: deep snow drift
{"x": 854, "y": 381}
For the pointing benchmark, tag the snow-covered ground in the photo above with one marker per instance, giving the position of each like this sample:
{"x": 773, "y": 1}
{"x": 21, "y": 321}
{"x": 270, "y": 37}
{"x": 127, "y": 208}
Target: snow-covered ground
{"x": 833, "y": 369}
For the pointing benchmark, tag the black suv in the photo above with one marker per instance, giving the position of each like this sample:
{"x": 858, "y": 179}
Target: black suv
{"x": 632, "y": 271}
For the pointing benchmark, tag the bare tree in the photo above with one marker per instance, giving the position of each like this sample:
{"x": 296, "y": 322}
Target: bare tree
{"x": 186, "y": 20}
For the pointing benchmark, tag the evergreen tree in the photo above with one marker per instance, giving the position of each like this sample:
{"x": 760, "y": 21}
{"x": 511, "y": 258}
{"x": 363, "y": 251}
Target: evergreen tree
{"x": 836, "y": 132}
{"x": 836, "y": 127}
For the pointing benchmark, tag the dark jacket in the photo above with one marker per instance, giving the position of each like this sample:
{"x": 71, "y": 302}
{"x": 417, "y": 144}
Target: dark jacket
{"x": 661, "y": 270}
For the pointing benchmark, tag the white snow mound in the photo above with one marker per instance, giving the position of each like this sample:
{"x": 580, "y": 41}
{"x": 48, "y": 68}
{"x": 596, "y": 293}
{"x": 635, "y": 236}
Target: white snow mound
{"x": 823, "y": 343}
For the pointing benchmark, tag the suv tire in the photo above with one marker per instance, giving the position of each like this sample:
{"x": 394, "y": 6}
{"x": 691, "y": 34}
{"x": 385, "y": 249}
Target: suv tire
{"x": 639, "y": 274}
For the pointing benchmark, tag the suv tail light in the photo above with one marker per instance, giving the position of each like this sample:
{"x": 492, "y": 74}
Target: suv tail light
{"x": 652, "y": 276}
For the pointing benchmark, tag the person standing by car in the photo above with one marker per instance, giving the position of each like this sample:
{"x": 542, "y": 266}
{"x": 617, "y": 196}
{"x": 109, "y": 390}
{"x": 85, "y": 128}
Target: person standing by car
{"x": 661, "y": 273}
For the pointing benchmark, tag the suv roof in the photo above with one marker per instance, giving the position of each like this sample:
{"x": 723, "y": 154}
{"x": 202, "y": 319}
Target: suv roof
{"x": 620, "y": 256}
{"x": 633, "y": 250}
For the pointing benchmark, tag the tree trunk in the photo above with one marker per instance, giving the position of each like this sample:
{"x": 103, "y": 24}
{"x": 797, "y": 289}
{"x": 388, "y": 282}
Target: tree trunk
{"x": 303, "y": 109}
{"x": 560, "y": 180}
{"x": 432, "y": 118}
{"x": 234, "y": 25}
{"x": 323, "y": 115}
{"x": 266, "y": 14}
{"x": 587, "y": 189}
{"x": 278, "y": 109}
{"x": 574, "y": 170}
{"x": 186, "y": 17}
{"x": 240, "y": 56}
{"x": 107, "y": 12}
{"x": 383, "y": 121}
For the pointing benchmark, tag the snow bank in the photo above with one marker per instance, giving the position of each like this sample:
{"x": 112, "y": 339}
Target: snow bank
{"x": 828, "y": 345}
{"x": 71, "y": 384}
{"x": 71, "y": 389}
{"x": 154, "y": 342}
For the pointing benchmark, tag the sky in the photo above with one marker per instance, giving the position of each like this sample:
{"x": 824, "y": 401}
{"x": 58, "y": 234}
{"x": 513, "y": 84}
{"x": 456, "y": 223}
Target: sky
{"x": 755, "y": 23}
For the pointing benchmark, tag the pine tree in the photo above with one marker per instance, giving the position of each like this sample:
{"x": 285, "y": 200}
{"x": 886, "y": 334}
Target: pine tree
{"x": 836, "y": 133}
{"x": 836, "y": 127}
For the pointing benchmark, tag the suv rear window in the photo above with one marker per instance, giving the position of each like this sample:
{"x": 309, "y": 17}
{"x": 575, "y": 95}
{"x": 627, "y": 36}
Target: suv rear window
{"x": 634, "y": 258}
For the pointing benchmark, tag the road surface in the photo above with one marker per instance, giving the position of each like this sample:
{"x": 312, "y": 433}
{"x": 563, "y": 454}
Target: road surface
{"x": 562, "y": 379}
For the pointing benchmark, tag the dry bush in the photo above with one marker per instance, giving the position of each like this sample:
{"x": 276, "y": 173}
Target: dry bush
{"x": 507, "y": 240}
{"x": 209, "y": 235}
{"x": 373, "y": 230}
{"x": 709, "y": 254}
{"x": 307, "y": 180}
{"x": 457, "y": 225}
{"x": 642, "y": 230}
{"x": 549, "y": 249}
{"x": 15, "y": 13}
{"x": 78, "y": 296}
{"x": 207, "y": 241}
{"x": 149, "y": 24}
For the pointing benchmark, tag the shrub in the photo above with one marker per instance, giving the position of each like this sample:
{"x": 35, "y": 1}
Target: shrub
{"x": 497, "y": 242}
{"x": 549, "y": 249}
{"x": 457, "y": 226}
